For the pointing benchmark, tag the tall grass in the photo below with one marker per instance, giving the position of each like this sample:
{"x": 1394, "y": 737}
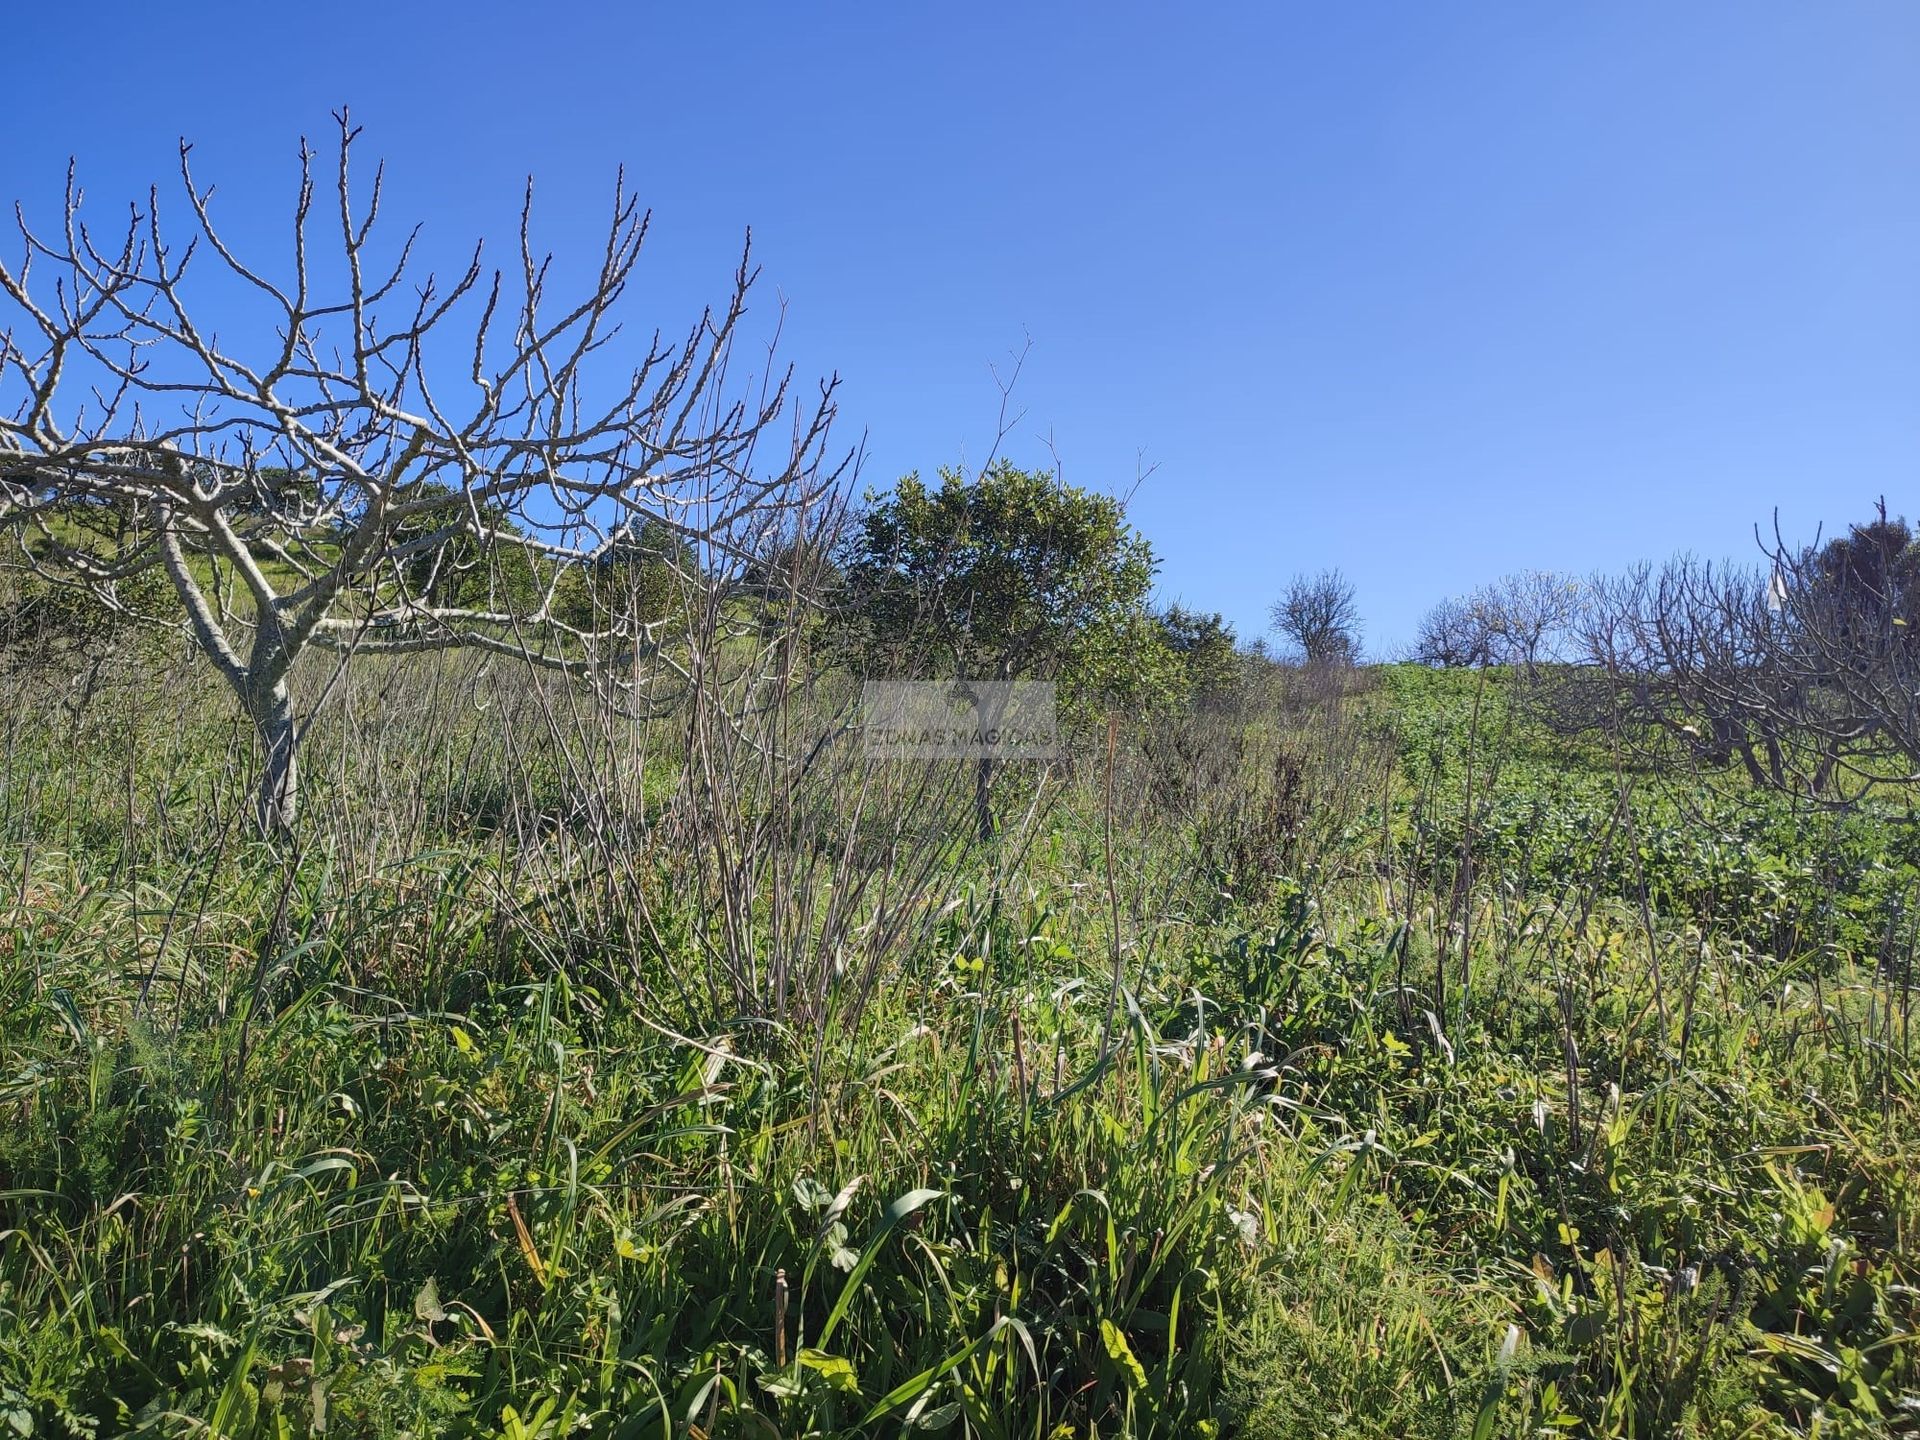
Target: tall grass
{"x": 572, "y": 1077}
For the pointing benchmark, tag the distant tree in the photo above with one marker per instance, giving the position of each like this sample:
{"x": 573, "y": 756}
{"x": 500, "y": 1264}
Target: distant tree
{"x": 634, "y": 584}
{"x": 1319, "y": 616}
{"x": 1527, "y": 615}
{"x": 409, "y": 464}
{"x": 1842, "y": 643}
{"x": 277, "y": 487}
{"x": 1685, "y": 644}
{"x": 1517, "y": 620}
{"x": 1805, "y": 668}
{"x": 1204, "y": 654}
{"x": 1453, "y": 634}
{"x": 45, "y": 611}
{"x": 484, "y": 567}
{"x": 810, "y": 558}
{"x": 1012, "y": 575}
{"x": 1863, "y": 583}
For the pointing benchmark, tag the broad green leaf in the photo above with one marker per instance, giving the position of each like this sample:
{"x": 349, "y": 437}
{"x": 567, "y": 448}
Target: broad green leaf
{"x": 836, "y": 1370}
{"x": 1122, "y": 1353}
{"x": 426, "y": 1305}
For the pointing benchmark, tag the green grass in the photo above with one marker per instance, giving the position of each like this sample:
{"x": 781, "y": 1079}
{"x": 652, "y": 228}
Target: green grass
{"x": 396, "y": 1137}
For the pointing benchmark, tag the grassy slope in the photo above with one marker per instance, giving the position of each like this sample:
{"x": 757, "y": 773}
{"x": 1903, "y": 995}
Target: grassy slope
{"x": 348, "y": 1143}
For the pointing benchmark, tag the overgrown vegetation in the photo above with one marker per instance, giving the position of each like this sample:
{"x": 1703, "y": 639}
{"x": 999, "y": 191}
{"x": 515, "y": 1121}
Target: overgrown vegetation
{"x": 588, "y": 1036}
{"x": 1467, "y": 1083}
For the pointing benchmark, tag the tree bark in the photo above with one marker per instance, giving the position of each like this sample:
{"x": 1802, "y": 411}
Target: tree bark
{"x": 278, "y": 804}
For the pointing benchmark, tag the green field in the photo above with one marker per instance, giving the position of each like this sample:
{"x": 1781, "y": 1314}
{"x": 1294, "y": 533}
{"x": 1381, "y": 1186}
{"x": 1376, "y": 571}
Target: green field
{"x": 1464, "y": 1080}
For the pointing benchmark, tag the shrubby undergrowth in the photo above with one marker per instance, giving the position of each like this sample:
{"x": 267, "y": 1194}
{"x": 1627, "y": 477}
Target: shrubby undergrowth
{"x": 1463, "y": 1081}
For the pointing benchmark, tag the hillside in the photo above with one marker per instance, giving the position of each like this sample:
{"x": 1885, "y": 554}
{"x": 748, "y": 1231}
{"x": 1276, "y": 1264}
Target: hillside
{"x": 1463, "y": 1081}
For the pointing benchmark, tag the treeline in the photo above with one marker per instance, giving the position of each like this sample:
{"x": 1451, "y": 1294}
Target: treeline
{"x": 1798, "y": 669}
{"x": 1802, "y": 669}
{"x": 483, "y": 473}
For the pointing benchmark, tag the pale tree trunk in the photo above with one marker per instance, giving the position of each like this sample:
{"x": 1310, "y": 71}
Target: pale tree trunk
{"x": 277, "y": 805}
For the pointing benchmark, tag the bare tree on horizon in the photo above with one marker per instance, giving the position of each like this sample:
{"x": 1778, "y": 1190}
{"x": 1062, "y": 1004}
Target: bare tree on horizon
{"x": 1319, "y": 615}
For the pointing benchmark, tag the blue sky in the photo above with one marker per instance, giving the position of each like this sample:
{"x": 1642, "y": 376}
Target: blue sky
{"x": 1429, "y": 292}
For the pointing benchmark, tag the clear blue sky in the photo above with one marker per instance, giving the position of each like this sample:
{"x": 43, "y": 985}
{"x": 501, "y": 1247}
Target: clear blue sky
{"x": 1429, "y": 292}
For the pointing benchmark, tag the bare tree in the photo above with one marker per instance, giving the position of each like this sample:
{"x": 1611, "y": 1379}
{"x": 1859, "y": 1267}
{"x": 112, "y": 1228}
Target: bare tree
{"x": 1801, "y": 669}
{"x": 1520, "y": 619}
{"x": 391, "y": 463}
{"x": 1528, "y": 614}
{"x": 1453, "y": 634}
{"x": 1318, "y": 614}
{"x": 1843, "y": 644}
{"x": 1805, "y": 668}
{"x": 1687, "y": 646}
